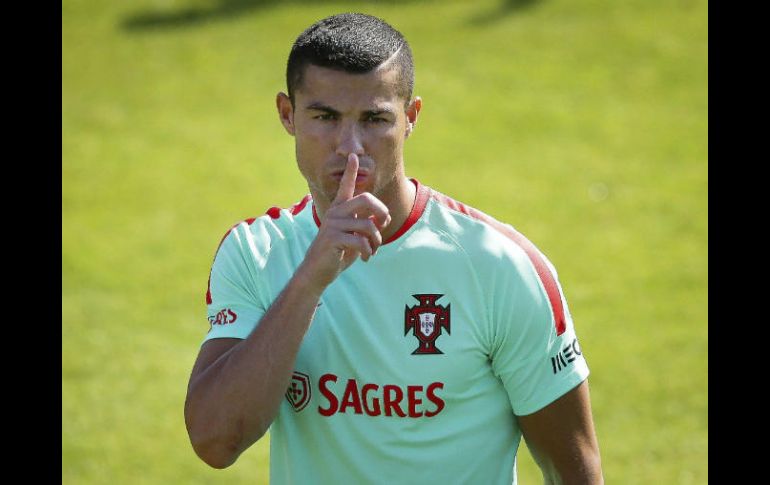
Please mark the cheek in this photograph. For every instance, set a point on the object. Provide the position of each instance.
(312, 144)
(391, 142)
(313, 152)
(311, 135)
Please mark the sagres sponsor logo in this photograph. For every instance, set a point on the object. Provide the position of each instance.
(566, 356)
(357, 397)
(426, 321)
(298, 393)
(223, 317)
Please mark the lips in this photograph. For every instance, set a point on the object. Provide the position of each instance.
(361, 176)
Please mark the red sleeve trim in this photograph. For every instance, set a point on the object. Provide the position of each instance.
(420, 201)
(546, 277)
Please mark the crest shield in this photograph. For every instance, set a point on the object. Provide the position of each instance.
(426, 321)
(298, 393)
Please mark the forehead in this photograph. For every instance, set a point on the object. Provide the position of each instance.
(344, 91)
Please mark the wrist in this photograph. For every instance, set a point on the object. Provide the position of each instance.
(306, 282)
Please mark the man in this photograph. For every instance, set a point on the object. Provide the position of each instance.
(383, 331)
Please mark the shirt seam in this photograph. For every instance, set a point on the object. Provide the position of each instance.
(429, 207)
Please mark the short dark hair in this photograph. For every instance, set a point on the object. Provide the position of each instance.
(350, 42)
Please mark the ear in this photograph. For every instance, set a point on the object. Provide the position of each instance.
(412, 111)
(285, 112)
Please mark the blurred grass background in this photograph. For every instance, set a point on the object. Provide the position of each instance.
(583, 124)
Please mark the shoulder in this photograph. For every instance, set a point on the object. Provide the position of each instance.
(247, 245)
(260, 234)
(479, 233)
(499, 250)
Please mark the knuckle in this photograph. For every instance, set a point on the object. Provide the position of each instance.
(368, 198)
(368, 226)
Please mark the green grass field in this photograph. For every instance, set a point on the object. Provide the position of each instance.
(583, 124)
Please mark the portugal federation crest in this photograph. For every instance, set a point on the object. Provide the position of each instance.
(426, 321)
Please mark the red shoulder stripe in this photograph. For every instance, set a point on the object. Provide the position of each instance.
(273, 212)
(297, 208)
(549, 282)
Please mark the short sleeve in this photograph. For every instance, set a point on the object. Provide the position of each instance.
(233, 296)
(535, 365)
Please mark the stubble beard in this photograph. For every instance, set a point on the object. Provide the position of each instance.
(385, 190)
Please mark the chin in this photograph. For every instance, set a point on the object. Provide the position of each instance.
(360, 189)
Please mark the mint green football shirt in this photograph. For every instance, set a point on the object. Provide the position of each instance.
(418, 361)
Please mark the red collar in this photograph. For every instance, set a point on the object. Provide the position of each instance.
(420, 201)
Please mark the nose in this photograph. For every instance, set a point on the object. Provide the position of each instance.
(349, 140)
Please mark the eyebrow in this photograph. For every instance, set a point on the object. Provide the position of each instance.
(328, 109)
(377, 112)
(322, 107)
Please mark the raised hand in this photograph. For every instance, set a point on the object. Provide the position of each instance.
(350, 229)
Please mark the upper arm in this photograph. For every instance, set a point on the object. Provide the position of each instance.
(544, 372)
(562, 439)
(210, 352)
(233, 299)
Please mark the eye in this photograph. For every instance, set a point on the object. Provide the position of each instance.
(324, 117)
(375, 119)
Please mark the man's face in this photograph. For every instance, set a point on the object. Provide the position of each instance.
(337, 113)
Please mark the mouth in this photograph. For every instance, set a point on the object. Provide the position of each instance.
(361, 176)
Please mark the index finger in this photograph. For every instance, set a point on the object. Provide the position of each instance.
(348, 182)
